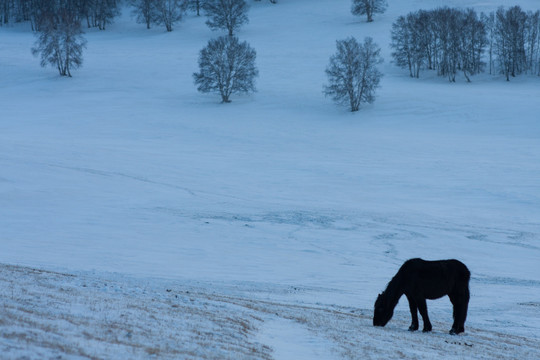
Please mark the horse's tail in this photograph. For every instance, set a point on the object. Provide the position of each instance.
(462, 280)
(465, 273)
(460, 296)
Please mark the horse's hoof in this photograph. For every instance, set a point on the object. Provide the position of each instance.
(455, 332)
(412, 328)
(426, 330)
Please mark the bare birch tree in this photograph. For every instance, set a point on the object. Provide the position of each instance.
(353, 74)
(228, 15)
(368, 8)
(60, 41)
(227, 66)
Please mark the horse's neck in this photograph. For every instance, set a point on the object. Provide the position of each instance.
(394, 291)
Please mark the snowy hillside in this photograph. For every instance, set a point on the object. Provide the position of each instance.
(282, 214)
(50, 315)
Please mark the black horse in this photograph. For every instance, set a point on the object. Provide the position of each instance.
(420, 280)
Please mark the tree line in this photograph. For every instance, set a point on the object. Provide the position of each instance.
(452, 41)
(99, 13)
(95, 13)
(447, 40)
(58, 23)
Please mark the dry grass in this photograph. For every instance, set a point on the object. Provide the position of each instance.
(50, 314)
(46, 314)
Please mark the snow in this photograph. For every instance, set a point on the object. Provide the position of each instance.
(113, 316)
(291, 340)
(281, 199)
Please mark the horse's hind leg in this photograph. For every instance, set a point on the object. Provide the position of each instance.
(461, 304)
(414, 314)
(422, 307)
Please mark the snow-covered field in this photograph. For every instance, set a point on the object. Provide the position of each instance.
(281, 214)
(51, 315)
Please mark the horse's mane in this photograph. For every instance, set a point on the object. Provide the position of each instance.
(394, 290)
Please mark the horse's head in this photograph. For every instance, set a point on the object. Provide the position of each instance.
(383, 311)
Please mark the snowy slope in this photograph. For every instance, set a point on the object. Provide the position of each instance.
(125, 168)
(51, 315)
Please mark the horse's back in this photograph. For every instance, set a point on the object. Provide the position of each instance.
(434, 278)
(435, 266)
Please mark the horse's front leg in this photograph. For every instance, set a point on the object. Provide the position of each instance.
(414, 314)
(422, 307)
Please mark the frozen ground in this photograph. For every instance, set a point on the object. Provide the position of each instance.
(51, 315)
(281, 211)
